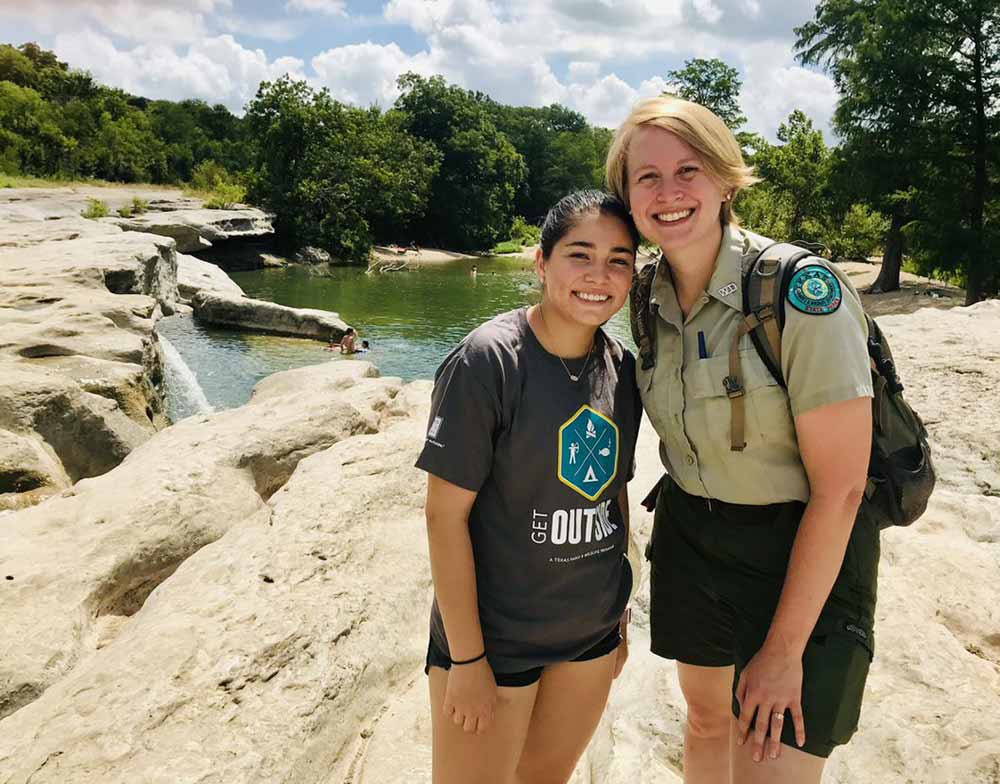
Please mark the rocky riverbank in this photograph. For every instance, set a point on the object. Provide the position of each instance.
(81, 372)
(244, 596)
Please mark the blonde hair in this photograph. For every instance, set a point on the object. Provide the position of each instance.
(701, 129)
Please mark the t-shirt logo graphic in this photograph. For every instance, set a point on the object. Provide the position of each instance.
(588, 452)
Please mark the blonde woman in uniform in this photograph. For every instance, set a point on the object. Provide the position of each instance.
(763, 571)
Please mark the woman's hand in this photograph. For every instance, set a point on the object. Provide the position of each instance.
(470, 697)
(770, 685)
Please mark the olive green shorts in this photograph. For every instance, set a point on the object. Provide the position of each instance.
(716, 574)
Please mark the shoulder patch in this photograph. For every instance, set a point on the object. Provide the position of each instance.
(815, 290)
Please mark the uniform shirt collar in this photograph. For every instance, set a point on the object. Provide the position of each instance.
(726, 284)
(663, 296)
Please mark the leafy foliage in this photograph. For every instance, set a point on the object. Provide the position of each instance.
(336, 177)
(96, 209)
(919, 108)
(713, 84)
(58, 122)
(473, 191)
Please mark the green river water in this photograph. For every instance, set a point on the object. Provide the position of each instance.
(412, 319)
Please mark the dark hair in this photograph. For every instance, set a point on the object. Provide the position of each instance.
(569, 209)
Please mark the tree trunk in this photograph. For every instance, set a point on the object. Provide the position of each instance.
(892, 256)
(974, 262)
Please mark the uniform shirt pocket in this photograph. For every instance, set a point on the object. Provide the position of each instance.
(707, 408)
(768, 415)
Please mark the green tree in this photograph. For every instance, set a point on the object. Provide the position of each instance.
(335, 176)
(31, 141)
(796, 175)
(920, 99)
(561, 152)
(713, 84)
(473, 194)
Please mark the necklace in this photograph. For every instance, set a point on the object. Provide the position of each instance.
(572, 376)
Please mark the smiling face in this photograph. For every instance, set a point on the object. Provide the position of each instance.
(587, 275)
(674, 201)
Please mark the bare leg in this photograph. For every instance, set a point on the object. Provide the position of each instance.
(708, 692)
(794, 766)
(571, 699)
(460, 757)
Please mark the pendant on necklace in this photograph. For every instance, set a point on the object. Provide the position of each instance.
(573, 378)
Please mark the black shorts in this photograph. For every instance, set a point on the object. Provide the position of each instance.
(716, 574)
(438, 658)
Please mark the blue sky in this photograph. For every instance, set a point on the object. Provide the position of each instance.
(595, 56)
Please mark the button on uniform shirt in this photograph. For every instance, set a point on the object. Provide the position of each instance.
(824, 359)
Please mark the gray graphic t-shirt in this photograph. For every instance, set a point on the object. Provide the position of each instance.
(547, 457)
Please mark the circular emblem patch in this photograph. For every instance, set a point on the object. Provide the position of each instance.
(815, 290)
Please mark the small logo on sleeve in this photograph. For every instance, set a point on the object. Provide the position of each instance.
(433, 430)
(815, 290)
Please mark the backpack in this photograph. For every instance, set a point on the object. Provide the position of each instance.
(900, 472)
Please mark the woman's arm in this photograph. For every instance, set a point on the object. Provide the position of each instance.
(470, 697)
(835, 444)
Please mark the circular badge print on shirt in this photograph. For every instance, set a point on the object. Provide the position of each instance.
(815, 290)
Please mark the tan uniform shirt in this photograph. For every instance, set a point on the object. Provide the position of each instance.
(824, 360)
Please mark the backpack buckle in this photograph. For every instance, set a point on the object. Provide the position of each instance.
(765, 268)
(733, 387)
(764, 313)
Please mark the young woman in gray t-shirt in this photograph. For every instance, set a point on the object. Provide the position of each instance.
(530, 445)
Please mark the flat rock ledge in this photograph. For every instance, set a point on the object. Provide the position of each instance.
(244, 599)
(262, 316)
(198, 229)
(81, 369)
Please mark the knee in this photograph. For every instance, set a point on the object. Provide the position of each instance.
(538, 777)
(708, 720)
(539, 772)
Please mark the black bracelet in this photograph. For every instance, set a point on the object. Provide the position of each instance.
(471, 661)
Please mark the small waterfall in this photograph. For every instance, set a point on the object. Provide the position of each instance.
(185, 397)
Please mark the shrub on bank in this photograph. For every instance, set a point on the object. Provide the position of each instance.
(96, 209)
(510, 246)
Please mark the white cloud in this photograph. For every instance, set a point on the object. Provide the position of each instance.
(169, 21)
(579, 71)
(268, 29)
(773, 88)
(329, 7)
(366, 73)
(217, 70)
(708, 11)
(174, 49)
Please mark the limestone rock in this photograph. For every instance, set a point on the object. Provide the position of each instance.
(194, 275)
(28, 471)
(100, 548)
(311, 255)
(90, 434)
(79, 300)
(267, 316)
(198, 229)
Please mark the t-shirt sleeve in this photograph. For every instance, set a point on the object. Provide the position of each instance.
(824, 357)
(465, 414)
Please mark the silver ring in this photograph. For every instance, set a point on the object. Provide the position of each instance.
(778, 716)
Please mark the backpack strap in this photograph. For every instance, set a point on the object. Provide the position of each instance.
(641, 315)
(765, 279)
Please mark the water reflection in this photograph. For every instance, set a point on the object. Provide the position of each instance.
(412, 319)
